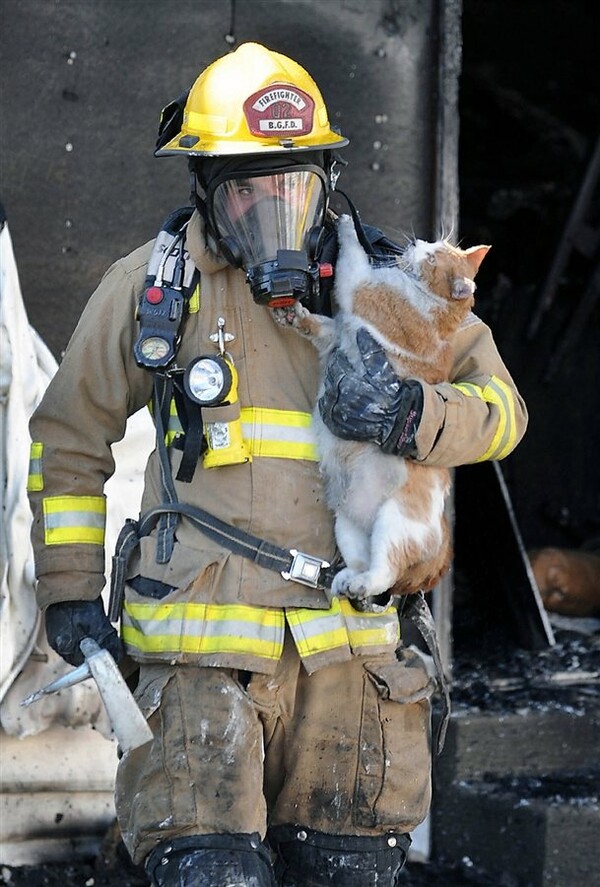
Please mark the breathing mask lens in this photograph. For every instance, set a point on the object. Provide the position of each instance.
(266, 224)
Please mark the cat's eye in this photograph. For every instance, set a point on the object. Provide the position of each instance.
(431, 259)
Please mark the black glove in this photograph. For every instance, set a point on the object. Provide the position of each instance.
(371, 403)
(68, 622)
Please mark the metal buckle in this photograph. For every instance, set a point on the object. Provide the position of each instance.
(305, 568)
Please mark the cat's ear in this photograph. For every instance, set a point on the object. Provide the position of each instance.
(475, 256)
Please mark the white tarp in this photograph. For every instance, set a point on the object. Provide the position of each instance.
(26, 661)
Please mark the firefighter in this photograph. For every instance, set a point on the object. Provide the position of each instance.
(291, 733)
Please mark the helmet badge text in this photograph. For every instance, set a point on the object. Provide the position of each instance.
(278, 109)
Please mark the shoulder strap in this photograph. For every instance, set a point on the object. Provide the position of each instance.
(163, 262)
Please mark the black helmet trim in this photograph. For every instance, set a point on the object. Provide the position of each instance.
(171, 121)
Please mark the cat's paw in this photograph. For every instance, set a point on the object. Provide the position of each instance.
(340, 582)
(303, 319)
(351, 584)
(285, 316)
(358, 585)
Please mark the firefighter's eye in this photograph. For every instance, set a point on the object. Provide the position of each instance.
(245, 189)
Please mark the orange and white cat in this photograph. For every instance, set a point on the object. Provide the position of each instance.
(389, 511)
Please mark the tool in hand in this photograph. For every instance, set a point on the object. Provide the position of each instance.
(129, 724)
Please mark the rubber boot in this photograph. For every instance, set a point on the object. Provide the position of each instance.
(211, 861)
(312, 859)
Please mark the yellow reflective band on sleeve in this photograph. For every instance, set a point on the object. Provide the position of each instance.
(469, 389)
(280, 434)
(498, 393)
(203, 629)
(74, 519)
(318, 631)
(35, 479)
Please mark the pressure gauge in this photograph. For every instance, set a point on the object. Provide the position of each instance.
(154, 348)
(208, 380)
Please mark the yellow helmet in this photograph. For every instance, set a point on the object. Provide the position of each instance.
(251, 101)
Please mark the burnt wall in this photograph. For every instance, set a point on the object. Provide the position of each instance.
(83, 85)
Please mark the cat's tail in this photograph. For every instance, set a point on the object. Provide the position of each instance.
(352, 266)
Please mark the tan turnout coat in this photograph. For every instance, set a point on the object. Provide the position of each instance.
(98, 385)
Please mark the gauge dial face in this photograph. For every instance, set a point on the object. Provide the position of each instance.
(154, 348)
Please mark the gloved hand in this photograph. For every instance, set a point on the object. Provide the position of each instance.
(68, 622)
(371, 403)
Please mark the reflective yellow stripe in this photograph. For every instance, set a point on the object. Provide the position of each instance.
(280, 434)
(74, 519)
(469, 389)
(35, 479)
(174, 427)
(204, 629)
(318, 631)
(371, 629)
(498, 393)
(194, 302)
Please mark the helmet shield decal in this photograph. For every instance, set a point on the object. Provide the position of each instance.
(279, 109)
(265, 213)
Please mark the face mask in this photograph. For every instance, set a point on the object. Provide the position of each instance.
(270, 224)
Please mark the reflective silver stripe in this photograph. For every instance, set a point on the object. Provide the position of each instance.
(198, 628)
(385, 623)
(318, 631)
(59, 519)
(204, 629)
(284, 433)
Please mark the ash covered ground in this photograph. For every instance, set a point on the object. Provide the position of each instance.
(565, 676)
(123, 875)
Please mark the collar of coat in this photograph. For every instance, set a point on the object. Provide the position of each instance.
(203, 257)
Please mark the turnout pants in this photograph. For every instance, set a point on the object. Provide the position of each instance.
(344, 751)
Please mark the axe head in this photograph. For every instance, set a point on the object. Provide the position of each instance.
(129, 724)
